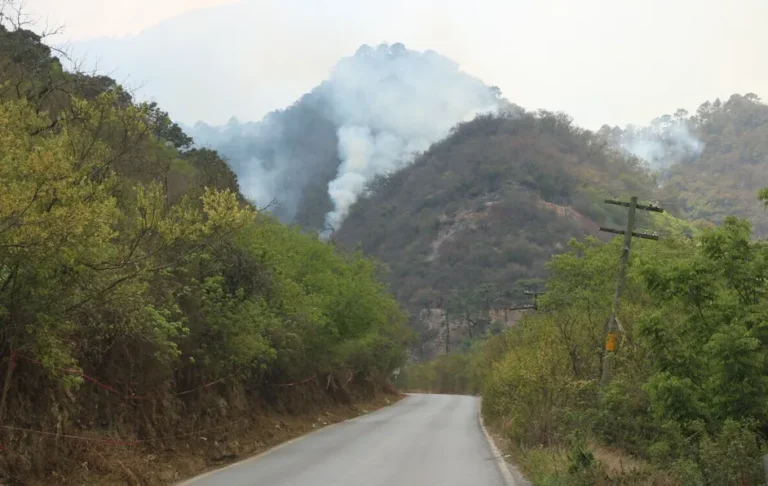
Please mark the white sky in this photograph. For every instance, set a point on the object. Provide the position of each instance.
(85, 19)
(602, 61)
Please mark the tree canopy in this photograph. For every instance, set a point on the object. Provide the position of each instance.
(490, 204)
(131, 258)
(687, 404)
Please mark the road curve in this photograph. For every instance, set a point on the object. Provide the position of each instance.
(421, 440)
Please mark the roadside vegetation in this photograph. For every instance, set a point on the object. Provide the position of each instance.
(688, 404)
(141, 296)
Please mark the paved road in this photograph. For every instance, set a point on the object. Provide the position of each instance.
(422, 440)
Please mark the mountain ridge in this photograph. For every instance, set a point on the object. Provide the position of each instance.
(448, 226)
(376, 110)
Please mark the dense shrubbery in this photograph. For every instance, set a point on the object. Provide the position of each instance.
(450, 373)
(690, 393)
(131, 258)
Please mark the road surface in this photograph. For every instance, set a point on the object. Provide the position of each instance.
(421, 440)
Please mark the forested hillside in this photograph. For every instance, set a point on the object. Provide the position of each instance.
(733, 165)
(472, 222)
(467, 227)
(714, 160)
(470, 225)
(141, 297)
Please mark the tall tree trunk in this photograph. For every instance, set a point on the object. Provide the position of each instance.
(7, 381)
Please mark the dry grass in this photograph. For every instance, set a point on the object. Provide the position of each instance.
(175, 460)
(549, 465)
(620, 468)
(617, 462)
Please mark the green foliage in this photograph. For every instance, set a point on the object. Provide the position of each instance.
(689, 392)
(732, 168)
(234, 331)
(488, 206)
(452, 373)
(581, 461)
(127, 256)
(707, 331)
(729, 457)
(74, 243)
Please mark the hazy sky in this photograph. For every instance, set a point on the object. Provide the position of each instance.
(86, 19)
(602, 61)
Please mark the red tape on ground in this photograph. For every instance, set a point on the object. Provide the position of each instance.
(88, 378)
(199, 388)
(296, 383)
(114, 441)
(105, 386)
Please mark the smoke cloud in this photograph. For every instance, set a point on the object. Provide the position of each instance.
(275, 158)
(391, 103)
(377, 109)
(663, 144)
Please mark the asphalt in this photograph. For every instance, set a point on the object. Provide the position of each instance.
(419, 441)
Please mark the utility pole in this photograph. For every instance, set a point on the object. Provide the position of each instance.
(447, 335)
(535, 295)
(522, 307)
(534, 306)
(611, 338)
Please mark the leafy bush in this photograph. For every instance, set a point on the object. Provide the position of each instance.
(126, 256)
(688, 397)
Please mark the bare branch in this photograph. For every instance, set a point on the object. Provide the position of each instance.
(13, 12)
(272, 203)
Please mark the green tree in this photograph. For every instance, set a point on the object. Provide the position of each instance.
(708, 337)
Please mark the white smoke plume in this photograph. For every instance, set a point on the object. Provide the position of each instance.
(391, 103)
(259, 180)
(374, 112)
(664, 143)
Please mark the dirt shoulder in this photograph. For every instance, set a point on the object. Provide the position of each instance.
(505, 446)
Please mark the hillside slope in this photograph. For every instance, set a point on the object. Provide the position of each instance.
(732, 168)
(488, 206)
(713, 162)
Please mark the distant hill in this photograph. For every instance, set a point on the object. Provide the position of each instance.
(376, 109)
(468, 228)
(712, 162)
(732, 168)
(490, 204)
(390, 156)
(473, 220)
